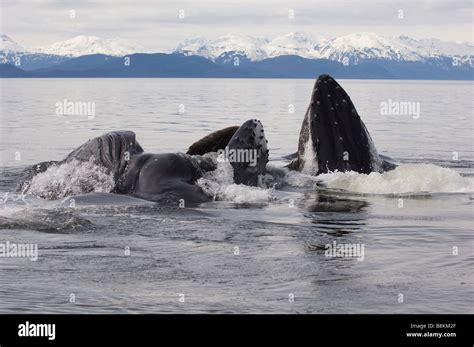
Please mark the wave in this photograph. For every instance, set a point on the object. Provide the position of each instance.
(406, 178)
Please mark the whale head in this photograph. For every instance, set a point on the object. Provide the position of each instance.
(247, 153)
(333, 136)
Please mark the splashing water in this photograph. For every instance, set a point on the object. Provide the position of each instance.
(301, 180)
(220, 185)
(71, 178)
(310, 161)
(80, 177)
(406, 178)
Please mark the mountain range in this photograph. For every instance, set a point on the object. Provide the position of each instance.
(295, 55)
(351, 49)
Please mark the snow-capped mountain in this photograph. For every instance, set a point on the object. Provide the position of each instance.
(354, 48)
(10, 51)
(229, 45)
(357, 47)
(8, 45)
(385, 54)
(349, 49)
(195, 46)
(34, 58)
(296, 43)
(21, 57)
(436, 47)
(458, 52)
(84, 45)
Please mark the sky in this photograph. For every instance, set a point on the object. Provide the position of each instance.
(160, 25)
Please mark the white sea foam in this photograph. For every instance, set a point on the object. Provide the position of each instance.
(406, 178)
(220, 185)
(71, 178)
(301, 180)
(76, 177)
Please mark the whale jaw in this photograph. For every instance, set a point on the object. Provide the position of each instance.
(332, 136)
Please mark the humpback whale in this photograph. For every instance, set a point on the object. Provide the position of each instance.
(332, 138)
(167, 177)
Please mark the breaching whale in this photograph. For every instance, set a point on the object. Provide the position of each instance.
(332, 138)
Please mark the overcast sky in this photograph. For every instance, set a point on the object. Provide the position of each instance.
(156, 25)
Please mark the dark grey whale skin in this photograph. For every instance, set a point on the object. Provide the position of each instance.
(167, 178)
(340, 139)
(213, 142)
(250, 136)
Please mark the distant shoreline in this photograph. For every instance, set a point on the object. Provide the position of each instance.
(162, 65)
(239, 78)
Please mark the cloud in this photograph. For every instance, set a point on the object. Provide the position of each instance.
(157, 24)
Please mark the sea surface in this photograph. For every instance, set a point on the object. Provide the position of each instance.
(253, 249)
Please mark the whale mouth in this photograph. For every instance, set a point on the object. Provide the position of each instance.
(333, 136)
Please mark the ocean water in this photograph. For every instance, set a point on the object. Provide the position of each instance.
(253, 249)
